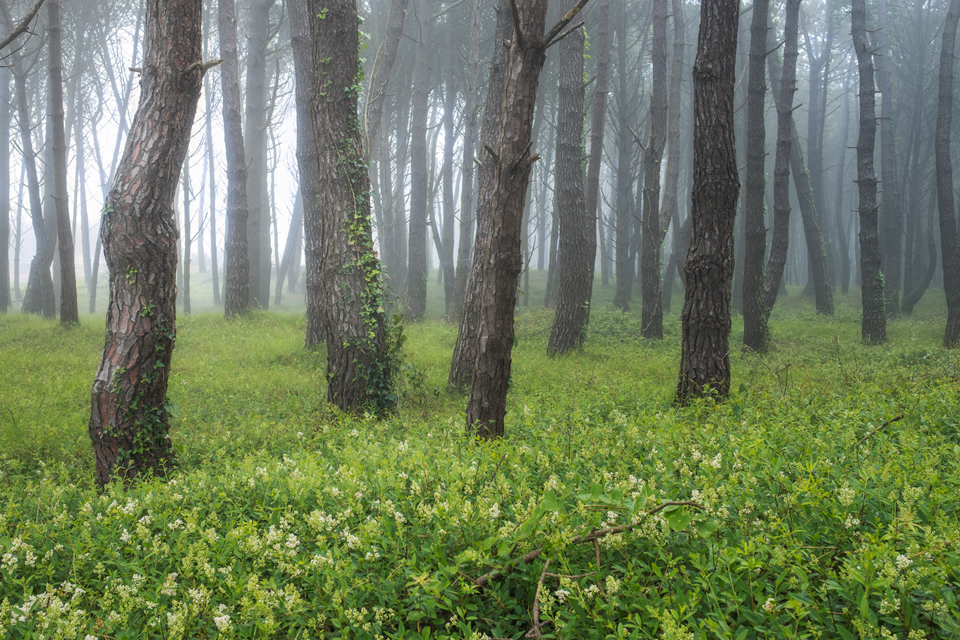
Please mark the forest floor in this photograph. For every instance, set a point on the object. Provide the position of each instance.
(824, 491)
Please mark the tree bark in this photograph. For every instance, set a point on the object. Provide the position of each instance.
(465, 349)
(874, 325)
(446, 177)
(598, 119)
(625, 158)
(359, 372)
(755, 331)
(380, 75)
(705, 358)
(651, 314)
(128, 420)
(892, 211)
(237, 259)
(577, 245)
(949, 247)
(5, 151)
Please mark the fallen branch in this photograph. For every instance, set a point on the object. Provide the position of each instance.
(535, 631)
(489, 577)
(883, 426)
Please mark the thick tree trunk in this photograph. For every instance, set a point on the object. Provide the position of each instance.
(69, 313)
(755, 331)
(308, 163)
(874, 325)
(128, 421)
(577, 246)
(950, 248)
(468, 214)
(465, 350)
(501, 257)
(359, 373)
(237, 259)
(416, 296)
(651, 324)
(705, 358)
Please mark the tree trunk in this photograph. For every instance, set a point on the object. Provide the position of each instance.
(598, 119)
(892, 211)
(705, 358)
(292, 246)
(211, 167)
(237, 258)
(874, 325)
(624, 179)
(5, 151)
(416, 302)
(468, 214)
(945, 199)
(128, 420)
(755, 330)
(187, 237)
(501, 256)
(446, 177)
(465, 350)
(577, 246)
(651, 324)
(668, 206)
(912, 296)
(843, 252)
(380, 75)
(359, 372)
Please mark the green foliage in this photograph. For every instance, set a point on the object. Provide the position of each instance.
(824, 516)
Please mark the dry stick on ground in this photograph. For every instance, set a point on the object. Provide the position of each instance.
(489, 577)
(535, 631)
(883, 426)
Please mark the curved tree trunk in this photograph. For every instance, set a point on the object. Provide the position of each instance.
(577, 245)
(950, 249)
(705, 357)
(651, 314)
(380, 76)
(755, 330)
(874, 325)
(128, 419)
(237, 285)
(359, 374)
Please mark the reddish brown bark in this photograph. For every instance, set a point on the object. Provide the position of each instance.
(128, 421)
(705, 358)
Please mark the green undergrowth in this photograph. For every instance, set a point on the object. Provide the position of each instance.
(823, 493)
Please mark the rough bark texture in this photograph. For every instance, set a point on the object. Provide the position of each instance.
(69, 313)
(945, 199)
(755, 331)
(651, 324)
(128, 420)
(359, 376)
(874, 325)
(237, 285)
(307, 162)
(501, 257)
(416, 298)
(705, 358)
(577, 245)
(468, 214)
(668, 205)
(598, 117)
(465, 350)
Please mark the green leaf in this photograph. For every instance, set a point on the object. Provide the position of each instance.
(707, 528)
(679, 520)
(596, 491)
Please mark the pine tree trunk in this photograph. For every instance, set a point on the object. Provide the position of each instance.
(874, 325)
(950, 249)
(446, 178)
(577, 246)
(5, 151)
(598, 119)
(128, 421)
(705, 359)
(237, 258)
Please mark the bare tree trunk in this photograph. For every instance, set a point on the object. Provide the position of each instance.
(5, 151)
(874, 325)
(892, 211)
(211, 168)
(501, 256)
(359, 373)
(705, 358)
(128, 420)
(292, 247)
(755, 330)
(446, 178)
(380, 76)
(187, 236)
(945, 198)
(577, 250)
(598, 118)
(843, 257)
(651, 324)
(465, 350)
(237, 258)
(624, 179)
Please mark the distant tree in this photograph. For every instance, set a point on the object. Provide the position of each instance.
(5, 151)
(598, 120)
(874, 324)
(950, 246)
(128, 418)
(237, 263)
(359, 374)
(577, 244)
(21, 27)
(705, 353)
(501, 256)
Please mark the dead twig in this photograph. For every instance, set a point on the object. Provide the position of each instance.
(883, 426)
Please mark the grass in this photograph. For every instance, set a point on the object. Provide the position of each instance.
(828, 483)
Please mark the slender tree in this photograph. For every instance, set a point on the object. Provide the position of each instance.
(598, 119)
(874, 324)
(128, 418)
(5, 150)
(705, 359)
(949, 243)
(890, 202)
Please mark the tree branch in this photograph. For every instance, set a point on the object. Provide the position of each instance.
(560, 26)
(21, 28)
